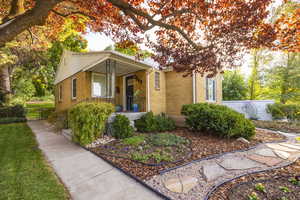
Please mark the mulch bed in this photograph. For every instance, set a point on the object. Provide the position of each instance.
(288, 127)
(241, 187)
(202, 146)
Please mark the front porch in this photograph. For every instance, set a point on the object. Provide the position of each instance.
(121, 82)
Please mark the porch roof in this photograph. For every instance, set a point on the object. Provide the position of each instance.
(73, 62)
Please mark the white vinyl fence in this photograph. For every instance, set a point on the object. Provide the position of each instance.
(251, 108)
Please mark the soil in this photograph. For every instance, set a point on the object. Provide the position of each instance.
(240, 188)
(173, 152)
(288, 127)
(202, 145)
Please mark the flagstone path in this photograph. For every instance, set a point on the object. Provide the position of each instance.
(196, 180)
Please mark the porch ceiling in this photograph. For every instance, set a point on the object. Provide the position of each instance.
(121, 68)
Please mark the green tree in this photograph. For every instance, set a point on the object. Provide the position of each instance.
(283, 80)
(234, 86)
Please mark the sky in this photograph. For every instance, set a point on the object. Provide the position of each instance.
(99, 41)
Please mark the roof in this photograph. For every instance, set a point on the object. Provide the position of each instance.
(74, 62)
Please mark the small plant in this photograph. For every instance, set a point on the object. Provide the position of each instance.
(284, 189)
(139, 157)
(294, 181)
(165, 139)
(283, 198)
(134, 141)
(161, 156)
(121, 127)
(260, 187)
(253, 196)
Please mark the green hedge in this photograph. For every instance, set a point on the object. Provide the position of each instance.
(121, 127)
(87, 121)
(150, 123)
(281, 111)
(9, 120)
(16, 111)
(218, 119)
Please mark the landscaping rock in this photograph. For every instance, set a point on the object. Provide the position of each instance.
(270, 161)
(212, 171)
(243, 140)
(238, 163)
(265, 152)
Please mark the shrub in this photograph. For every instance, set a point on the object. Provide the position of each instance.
(9, 120)
(146, 123)
(218, 119)
(164, 123)
(46, 112)
(121, 127)
(12, 111)
(281, 111)
(87, 121)
(151, 123)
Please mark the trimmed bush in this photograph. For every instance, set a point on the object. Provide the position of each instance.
(281, 111)
(87, 121)
(218, 119)
(121, 127)
(59, 119)
(164, 123)
(150, 123)
(17, 111)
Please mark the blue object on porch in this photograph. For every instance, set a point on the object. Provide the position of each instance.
(135, 108)
(119, 108)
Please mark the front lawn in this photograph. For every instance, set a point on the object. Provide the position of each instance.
(24, 174)
(34, 109)
(289, 127)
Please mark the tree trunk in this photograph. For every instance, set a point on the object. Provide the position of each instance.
(5, 86)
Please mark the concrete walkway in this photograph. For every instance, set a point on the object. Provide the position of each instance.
(85, 175)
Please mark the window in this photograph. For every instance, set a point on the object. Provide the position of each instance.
(102, 85)
(60, 93)
(74, 88)
(210, 89)
(157, 80)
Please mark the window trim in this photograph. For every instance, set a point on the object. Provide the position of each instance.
(157, 87)
(72, 88)
(215, 90)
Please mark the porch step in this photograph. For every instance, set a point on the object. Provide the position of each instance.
(67, 133)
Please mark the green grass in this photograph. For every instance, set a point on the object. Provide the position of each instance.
(33, 109)
(24, 174)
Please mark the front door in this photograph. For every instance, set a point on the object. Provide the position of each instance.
(129, 93)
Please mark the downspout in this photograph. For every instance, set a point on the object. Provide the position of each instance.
(148, 90)
(194, 88)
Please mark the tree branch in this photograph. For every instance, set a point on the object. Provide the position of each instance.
(73, 13)
(36, 16)
(131, 11)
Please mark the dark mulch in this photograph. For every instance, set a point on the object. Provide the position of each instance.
(202, 146)
(288, 127)
(236, 190)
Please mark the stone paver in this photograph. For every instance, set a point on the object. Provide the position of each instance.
(265, 152)
(238, 163)
(292, 146)
(188, 183)
(181, 184)
(270, 161)
(281, 148)
(213, 171)
(282, 154)
(85, 175)
(173, 184)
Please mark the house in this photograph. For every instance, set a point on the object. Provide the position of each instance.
(130, 84)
